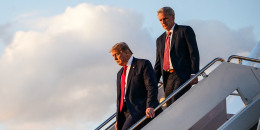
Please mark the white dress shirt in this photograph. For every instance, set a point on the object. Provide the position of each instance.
(170, 61)
(129, 63)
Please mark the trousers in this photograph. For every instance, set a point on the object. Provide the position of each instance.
(171, 83)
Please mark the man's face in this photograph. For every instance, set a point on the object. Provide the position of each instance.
(167, 21)
(121, 58)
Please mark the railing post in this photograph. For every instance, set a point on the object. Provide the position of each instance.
(239, 61)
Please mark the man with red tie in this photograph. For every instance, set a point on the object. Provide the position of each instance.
(137, 89)
(177, 54)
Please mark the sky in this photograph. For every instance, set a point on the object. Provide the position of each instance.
(56, 69)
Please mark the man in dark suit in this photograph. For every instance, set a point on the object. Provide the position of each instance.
(136, 87)
(177, 54)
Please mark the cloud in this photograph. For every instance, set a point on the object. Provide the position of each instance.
(60, 74)
(215, 39)
(5, 34)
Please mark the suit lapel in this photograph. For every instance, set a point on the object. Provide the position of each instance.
(131, 71)
(119, 75)
(174, 35)
(163, 43)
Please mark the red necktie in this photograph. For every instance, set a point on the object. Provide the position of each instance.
(122, 88)
(166, 52)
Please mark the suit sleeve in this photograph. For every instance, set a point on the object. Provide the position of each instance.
(193, 49)
(157, 65)
(118, 92)
(150, 85)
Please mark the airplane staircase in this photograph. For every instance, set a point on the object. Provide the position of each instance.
(203, 107)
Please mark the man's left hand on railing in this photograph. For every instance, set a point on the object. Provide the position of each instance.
(150, 112)
(116, 126)
(195, 81)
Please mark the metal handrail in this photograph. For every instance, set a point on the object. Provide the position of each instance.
(111, 125)
(106, 121)
(114, 115)
(179, 89)
(240, 58)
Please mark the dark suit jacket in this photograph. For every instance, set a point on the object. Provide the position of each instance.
(184, 52)
(141, 90)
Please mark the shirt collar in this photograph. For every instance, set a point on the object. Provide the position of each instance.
(171, 29)
(130, 61)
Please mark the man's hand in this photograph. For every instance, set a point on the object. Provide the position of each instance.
(195, 81)
(116, 126)
(149, 112)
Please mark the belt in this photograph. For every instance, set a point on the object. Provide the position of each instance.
(170, 70)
